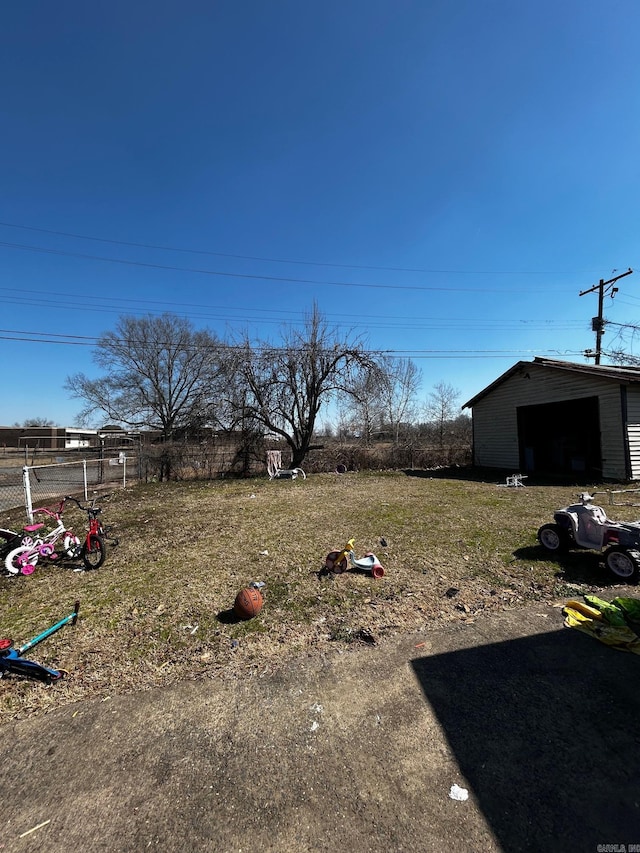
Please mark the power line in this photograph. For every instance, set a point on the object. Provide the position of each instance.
(248, 276)
(52, 300)
(388, 320)
(159, 247)
(85, 340)
(634, 326)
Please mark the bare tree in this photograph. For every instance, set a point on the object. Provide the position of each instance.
(362, 418)
(400, 381)
(620, 350)
(461, 428)
(385, 396)
(441, 407)
(623, 359)
(159, 374)
(285, 385)
(35, 422)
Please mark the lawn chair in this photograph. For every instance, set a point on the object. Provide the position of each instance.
(277, 472)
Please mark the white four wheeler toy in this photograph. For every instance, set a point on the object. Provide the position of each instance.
(585, 525)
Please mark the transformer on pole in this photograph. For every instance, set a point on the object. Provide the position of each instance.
(597, 323)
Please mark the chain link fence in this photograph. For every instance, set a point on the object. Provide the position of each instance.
(31, 486)
(209, 461)
(50, 476)
(11, 487)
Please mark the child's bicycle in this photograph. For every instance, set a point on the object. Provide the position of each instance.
(12, 662)
(94, 547)
(58, 544)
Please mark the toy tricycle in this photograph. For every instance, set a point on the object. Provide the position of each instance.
(336, 561)
(585, 525)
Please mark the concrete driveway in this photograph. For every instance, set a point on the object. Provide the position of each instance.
(356, 752)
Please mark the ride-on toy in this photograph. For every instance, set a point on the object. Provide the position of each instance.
(11, 660)
(585, 525)
(336, 561)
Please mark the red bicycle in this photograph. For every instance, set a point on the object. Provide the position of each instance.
(94, 546)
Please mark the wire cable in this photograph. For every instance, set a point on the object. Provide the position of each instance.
(247, 276)
(161, 248)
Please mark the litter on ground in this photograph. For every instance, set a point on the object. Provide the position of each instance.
(615, 623)
(458, 793)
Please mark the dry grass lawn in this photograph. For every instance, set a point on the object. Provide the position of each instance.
(159, 608)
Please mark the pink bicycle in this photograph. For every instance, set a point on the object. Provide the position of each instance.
(58, 544)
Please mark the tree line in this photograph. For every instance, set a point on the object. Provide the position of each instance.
(160, 373)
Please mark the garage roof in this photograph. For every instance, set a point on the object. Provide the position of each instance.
(606, 371)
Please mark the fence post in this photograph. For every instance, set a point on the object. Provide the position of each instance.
(27, 493)
(84, 474)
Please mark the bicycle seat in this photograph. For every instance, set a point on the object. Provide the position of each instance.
(31, 528)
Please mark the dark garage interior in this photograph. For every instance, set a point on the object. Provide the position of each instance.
(561, 438)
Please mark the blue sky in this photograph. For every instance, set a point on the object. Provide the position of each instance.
(441, 178)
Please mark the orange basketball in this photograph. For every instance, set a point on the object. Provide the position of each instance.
(248, 603)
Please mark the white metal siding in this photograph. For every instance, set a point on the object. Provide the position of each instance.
(633, 430)
(495, 422)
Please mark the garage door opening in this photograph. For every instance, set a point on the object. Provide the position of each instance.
(561, 438)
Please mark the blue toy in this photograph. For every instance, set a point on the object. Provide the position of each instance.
(11, 660)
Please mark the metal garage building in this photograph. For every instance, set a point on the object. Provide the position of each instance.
(556, 417)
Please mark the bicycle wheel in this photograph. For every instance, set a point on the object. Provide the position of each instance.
(71, 547)
(21, 560)
(94, 552)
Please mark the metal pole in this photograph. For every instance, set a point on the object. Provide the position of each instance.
(599, 328)
(597, 324)
(27, 493)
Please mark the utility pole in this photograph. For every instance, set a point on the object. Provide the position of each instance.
(597, 323)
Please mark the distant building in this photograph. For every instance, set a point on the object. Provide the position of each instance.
(48, 438)
(64, 438)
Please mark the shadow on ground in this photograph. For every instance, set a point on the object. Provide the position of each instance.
(580, 567)
(545, 731)
(495, 475)
(228, 617)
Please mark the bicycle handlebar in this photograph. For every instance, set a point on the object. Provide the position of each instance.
(54, 513)
(87, 509)
(75, 500)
